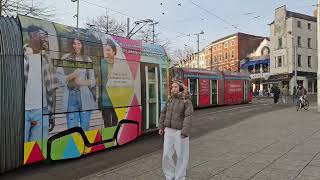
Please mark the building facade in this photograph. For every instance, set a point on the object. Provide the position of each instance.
(293, 49)
(227, 52)
(257, 64)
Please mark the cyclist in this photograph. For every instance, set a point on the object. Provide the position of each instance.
(302, 94)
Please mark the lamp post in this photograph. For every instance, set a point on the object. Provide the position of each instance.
(295, 59)
(198, 34)
(318, 49)
(77, 11)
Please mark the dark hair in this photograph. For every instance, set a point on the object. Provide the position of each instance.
(181, 89)
(82, 46)
(112, 45)
(34, 28)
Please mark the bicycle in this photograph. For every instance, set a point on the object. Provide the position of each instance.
(301, 105)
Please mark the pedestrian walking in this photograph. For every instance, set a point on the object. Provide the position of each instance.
(175, 125)
(276, 93)
(285, 94)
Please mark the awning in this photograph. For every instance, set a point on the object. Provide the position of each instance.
(254, 62)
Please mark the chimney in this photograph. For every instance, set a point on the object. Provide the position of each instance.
(315, 13)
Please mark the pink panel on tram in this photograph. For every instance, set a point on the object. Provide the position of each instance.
(233, 92)
(204, 92)
(135, 46)
(135, 114)
(127, 133)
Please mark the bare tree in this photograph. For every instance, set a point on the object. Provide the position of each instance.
(35, 8)
(182, 53)
(107, 24)
(146, 35)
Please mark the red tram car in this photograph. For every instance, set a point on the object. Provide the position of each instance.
(213, 88)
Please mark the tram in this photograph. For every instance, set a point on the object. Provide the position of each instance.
(68, 92)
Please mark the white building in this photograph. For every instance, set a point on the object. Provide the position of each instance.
(293, 39)
(202, 60)
(257, 64)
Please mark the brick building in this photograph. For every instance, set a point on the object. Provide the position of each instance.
(227, 52)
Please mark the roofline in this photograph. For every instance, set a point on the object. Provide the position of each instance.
(301, 16)
(236, 34)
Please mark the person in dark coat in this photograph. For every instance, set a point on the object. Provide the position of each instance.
(276, 93)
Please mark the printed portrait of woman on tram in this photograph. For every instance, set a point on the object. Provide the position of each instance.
(107, 63)
(78, 98)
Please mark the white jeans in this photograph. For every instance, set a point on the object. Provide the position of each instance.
(174, 143)
(285, 99)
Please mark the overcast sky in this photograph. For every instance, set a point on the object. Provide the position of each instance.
(217, 18)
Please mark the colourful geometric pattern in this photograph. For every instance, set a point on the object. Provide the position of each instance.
(120, 97)
(32, 153)
(129, 132)
(127, 96)
(67, 147)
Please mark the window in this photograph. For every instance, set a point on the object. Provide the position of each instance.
(226, 44)
(280, 43)
(225, 56)
(220, 57)
(232, 54)
(265, 68)
(299, 60)
(220, 46)
(214, 58)
(309, 26)
(299, 41)
(315, 88)
(250, 69)
(309, 42)
(299, 24)
(257, 68)
(232, 43)
(309, 61)
(310, 86)
(275, 62)
(214, 48)
(279, 61)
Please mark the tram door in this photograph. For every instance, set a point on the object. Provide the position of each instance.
(245, 91)
(214, 92)
(150, 95)
(193, 86)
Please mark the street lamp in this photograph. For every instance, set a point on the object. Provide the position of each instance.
(198, 34)
(295, 59)
(77, 11)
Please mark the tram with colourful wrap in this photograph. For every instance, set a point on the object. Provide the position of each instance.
(67, 92)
